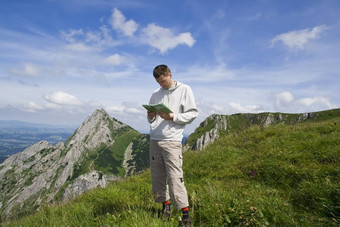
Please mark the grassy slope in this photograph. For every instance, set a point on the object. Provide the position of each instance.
(108, 159)
(282, 175)
(237, 122)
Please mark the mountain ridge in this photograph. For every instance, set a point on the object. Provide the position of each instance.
(211, 128)
(91, 157)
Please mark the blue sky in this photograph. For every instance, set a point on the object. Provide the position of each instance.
(60, 60)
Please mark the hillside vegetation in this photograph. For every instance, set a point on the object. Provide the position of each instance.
(214, 125)
(281, 175)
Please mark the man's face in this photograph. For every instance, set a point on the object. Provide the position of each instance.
(165, 81)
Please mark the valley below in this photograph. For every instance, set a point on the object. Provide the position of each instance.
(16, 136)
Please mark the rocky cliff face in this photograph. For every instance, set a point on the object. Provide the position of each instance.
(91, 157)
(210, 129)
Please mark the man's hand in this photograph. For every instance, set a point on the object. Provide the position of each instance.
(166, 116)
(151, 115)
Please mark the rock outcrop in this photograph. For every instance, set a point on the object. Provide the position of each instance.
(86, 182)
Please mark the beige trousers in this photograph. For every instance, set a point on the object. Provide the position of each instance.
(167, 173)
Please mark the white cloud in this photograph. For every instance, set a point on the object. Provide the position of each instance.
(156, 36)
(207, 108)
(32, 107)
(80, 40)
(28, 70)
(238, 108)
(133, 110)
(283, 100)
(116, 109)
(119, 23)
(317, 102)
(106, 39)
(78, 47)
(62, 98)
(115, 59)
(126, 108)
(299, 38)
(164, 39)
(131, 113)
(53, 106)
(70, 36)
(286, 102)
(93, 37)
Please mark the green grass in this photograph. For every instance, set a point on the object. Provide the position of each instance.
(110, 159)
(283, 175)
(107, 159)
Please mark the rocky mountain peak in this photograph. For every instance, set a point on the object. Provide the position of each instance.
(96, 129)
(44, 173)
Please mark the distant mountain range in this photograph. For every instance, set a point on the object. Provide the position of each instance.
(24, 124)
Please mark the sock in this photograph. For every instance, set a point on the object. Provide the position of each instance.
(166, 206)
(185, 212)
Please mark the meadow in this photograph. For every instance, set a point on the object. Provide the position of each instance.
(282, 175)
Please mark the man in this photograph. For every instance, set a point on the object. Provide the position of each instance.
(166, 133)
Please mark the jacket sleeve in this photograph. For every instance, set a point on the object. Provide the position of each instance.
(188, 109)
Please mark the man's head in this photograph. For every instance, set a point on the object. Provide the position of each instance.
(161, 70)
(163, 76)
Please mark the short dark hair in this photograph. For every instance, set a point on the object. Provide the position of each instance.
(161, 70)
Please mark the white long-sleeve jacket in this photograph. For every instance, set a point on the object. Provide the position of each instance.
(180, 99)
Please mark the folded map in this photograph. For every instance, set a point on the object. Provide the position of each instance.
(160, 107)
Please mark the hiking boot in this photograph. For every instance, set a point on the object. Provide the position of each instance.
(166, 211)
(185, 222)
